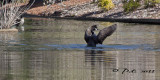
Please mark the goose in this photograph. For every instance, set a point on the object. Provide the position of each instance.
(20, 21)
(92, 39)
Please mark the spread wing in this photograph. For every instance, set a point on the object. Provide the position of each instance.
(86, 36)
(105, 33)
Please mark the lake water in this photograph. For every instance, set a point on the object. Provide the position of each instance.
(54, 49)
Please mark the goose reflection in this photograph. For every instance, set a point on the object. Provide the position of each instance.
(94, 55)
(99, 62)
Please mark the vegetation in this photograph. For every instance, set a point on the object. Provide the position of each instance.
(106, 4)
(130, 5)
(10, 12)
(151, 3)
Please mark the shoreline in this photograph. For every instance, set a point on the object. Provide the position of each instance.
(91, 11)
(8, 30)
(87, 10)
(124, 20)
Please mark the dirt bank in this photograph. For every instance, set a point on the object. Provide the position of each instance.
(85, 8)
(50, 9)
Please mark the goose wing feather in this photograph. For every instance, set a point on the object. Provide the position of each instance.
(86, 38)
(105, 33)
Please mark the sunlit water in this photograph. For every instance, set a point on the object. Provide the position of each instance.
(51, 49)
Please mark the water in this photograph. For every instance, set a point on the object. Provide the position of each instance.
(53, 49)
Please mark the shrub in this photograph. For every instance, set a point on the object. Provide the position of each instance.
(151, 3)
(106, 4)
(130, 5)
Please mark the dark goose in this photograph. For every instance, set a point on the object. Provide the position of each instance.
(93, 39)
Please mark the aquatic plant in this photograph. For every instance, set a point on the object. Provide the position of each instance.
(106, 4)
(10, 11)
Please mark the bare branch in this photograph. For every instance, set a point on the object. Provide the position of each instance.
(11, 11)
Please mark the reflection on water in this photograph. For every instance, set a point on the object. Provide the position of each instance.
(51, 49)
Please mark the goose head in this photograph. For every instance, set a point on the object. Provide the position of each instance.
(93, 28)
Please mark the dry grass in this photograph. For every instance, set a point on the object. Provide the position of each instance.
(10, 12)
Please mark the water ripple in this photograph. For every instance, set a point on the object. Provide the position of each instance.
(101, 47)
(48, 47)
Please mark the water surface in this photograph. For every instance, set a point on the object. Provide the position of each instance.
(53, 49)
